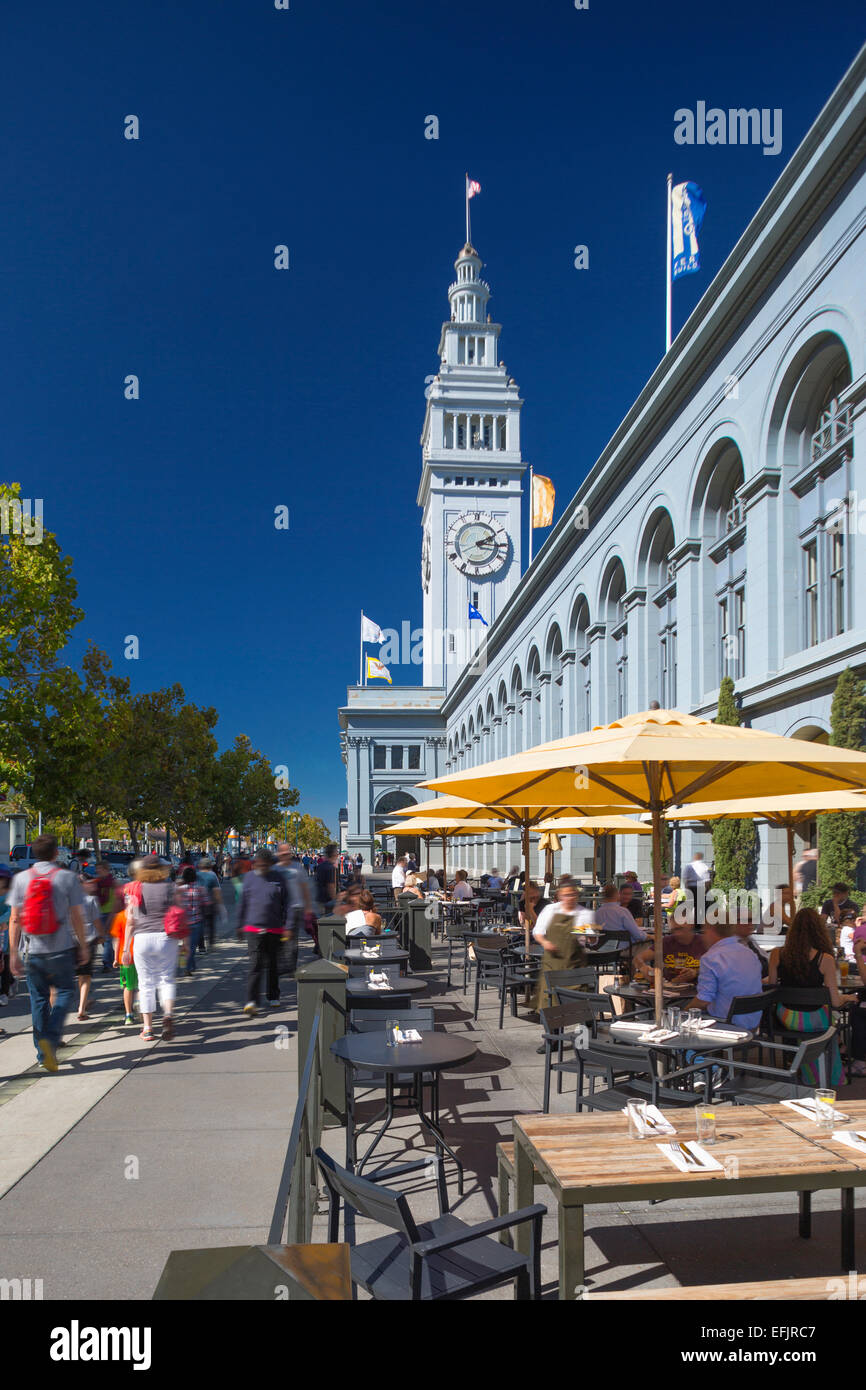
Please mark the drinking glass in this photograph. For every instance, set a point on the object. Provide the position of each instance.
(705, 1125)
(676, 1018)
(825, 1109)
(634, 1109)
(391, 1025)
(693, 1019)
(843, 968)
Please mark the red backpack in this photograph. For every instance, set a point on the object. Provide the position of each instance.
(38, 917)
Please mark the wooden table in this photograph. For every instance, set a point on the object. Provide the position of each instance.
(589, 1158)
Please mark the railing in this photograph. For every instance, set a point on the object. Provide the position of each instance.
(297, 1196)
(837, 423)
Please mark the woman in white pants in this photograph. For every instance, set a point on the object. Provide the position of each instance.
(147, 944)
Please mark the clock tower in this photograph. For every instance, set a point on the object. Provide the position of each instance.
(471, 481)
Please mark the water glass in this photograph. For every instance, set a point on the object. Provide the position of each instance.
(635, 1109)
(825, 1109)
(693, 1021)
(673, 1018)
(705, 1125)
(391, 1026)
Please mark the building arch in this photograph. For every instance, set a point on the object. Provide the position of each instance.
(718, 518)
(657, 573)
(611, 607)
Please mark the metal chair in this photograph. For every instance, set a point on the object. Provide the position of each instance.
(519, 974)
(753, 1004)
(774, 1083)
(803, 1001)
(490, 965)
(632, 1074)
(582, 975)
(440, 1259)
(555, 1024)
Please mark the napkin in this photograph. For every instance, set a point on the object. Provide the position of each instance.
(854, 1138)
(658, 1124)
(806, 1106)
(657, 1035)
(626, 1027)
(380, 984)
(678, 1159)
(406, 1035)
(724, 1034)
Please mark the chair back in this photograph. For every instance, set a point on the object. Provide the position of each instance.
(623, 1057)
(601, 1004)
(489, 958)
(572, 979)
(371, 1020)
(558, 1017)
(806, 1000)
(753, 1004)
(367, 1198)
(811, 1051)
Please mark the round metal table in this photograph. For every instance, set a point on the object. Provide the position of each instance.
(359, 993)
(356, 956)
(421, 1063)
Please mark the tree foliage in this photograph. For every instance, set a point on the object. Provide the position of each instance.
(734, 841)
(841, 835)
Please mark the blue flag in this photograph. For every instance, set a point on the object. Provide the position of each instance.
(473, 613)
(688, 206)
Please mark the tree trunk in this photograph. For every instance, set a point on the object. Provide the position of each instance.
(94, 831)
(130, 825)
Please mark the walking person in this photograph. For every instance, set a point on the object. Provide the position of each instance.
(149, 946)
(213, 904)
(46, 910)
(105, 886)
(264, 915)
(126, 973)
(299, 899)
(7, 979)
(191, 897)
(93, 937)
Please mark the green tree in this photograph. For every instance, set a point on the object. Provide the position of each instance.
(841, 835)
(37, 614)
(243, 793)
(734, 841)
(311, 833)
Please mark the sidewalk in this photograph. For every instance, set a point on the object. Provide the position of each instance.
(133, 1150)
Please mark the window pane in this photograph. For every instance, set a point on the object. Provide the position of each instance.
(414, 759)
(379, 755)
(397, 756)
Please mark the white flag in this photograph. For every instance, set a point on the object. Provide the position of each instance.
(370, 631)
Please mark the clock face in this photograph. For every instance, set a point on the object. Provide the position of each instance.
(477, 544)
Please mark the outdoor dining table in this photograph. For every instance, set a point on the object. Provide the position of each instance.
(355, 955)
(589, 1158)
(360, 995)
(424, 1060)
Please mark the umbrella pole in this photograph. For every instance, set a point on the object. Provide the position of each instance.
(429, 838)
(528, 911)
(790, 830)
(657, 908)
(594, 861)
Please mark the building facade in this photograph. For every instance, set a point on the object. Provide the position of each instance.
(719, 533)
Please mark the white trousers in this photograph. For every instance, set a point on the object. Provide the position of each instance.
(155, 956)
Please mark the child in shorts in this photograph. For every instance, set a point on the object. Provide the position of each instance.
(128, 976)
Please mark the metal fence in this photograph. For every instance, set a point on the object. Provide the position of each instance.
(297, 1196)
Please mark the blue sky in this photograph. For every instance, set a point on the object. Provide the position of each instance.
(305, 387)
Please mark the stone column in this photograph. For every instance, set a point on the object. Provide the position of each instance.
(637, 697)
(764, 647)
(525, 720)
(497, 736)
(570, 723)
(595, 636)
(510, 721)
(690, 655)
(546, 691)
(364, 800)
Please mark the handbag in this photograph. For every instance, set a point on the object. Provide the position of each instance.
(176, 923)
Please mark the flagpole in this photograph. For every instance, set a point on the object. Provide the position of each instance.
(531, 505)
(361, 661)
(466, 195)
(668, 281)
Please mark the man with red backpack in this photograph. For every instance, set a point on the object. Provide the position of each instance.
(48, 920)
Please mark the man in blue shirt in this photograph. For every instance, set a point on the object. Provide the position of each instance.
(614, 917)
(728, 970)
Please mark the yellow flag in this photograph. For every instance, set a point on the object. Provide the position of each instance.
(543, 498)
(376, 671)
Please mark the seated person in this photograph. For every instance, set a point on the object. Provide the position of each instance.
(535, 902)
(462, 889)
(673, 894)
(514, 881)
(858, 1015)
(413, 886)
(837, 905)
(631, 904)
(494, 882)
(806, 961)
(682, 949)
(614, 916)
(363, 919)
(726, 972)
(631, 879)
(745, 932)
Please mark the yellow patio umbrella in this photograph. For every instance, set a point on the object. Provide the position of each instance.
(595, 827)
(786, 811)
(657, 760)
(442, 828)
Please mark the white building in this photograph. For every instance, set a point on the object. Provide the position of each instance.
(720, 531)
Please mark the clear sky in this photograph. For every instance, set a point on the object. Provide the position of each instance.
(304, 387)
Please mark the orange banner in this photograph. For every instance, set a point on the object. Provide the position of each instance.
(543, 498)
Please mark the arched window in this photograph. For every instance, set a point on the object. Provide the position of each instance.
(553, 661)
(662, 604)
(722, 521)
(532, 734)
(613, 614)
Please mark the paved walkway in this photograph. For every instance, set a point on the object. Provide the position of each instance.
(134, 1150)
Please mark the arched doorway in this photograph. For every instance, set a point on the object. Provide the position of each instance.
(385, 808)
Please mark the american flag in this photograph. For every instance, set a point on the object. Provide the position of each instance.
(472, 188)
